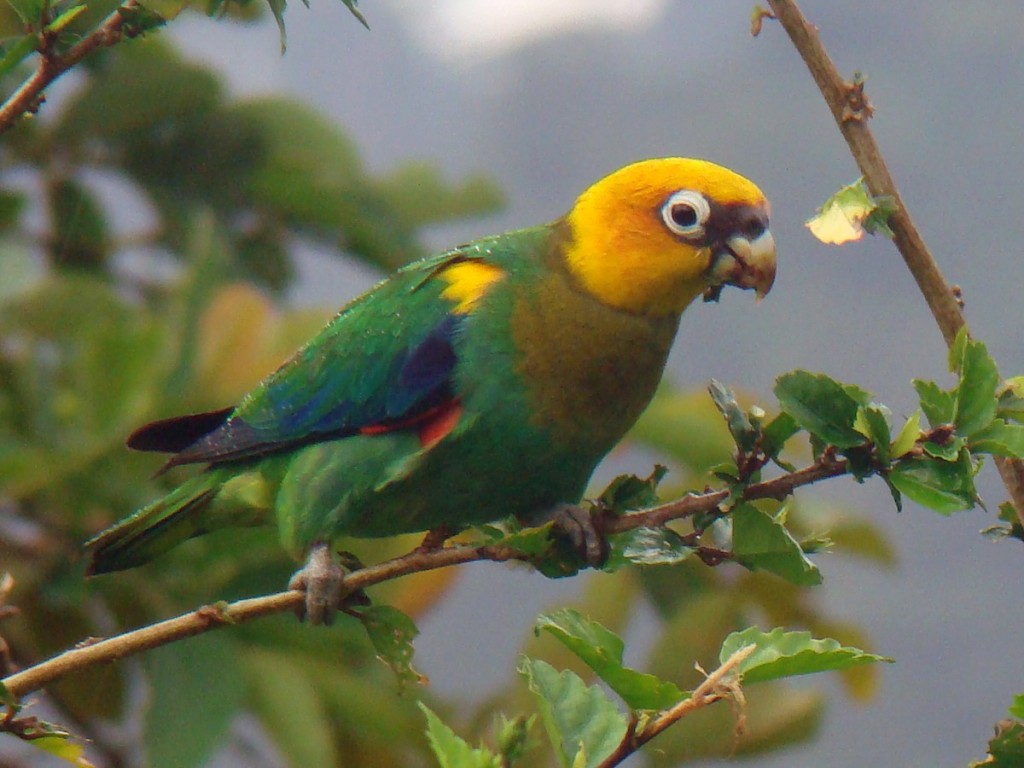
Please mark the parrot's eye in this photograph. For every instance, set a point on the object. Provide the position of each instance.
(685, 213)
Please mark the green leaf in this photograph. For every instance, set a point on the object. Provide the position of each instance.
(938, 405)
(942, 486)
(289, 706)
(629, 492)
(788, 654)
(872, 421)
(166, 9)
(353, 8)
(849, 213)
(760, 542)
(1006, 748)
(820, 405)
(80, 226)
(391, 632)
(7, 698)
(197, 689)
(1017, 707)
(65, 18)
(579, 720)
(512, 737)
(138, 19)
(17, 53)
(530, 541)
(999, 439)
(907, 438)
(601, 650)
(61, 746)
(451, 750)
(686, 427)
(647, 546)
(975, 396)
(776, 433)
(947, 451)
(1011, 399)
(743, 433)
(29, 11)
(277, 8)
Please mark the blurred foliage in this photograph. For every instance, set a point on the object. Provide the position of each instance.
(148, 230)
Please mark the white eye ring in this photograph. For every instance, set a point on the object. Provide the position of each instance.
(685, 213)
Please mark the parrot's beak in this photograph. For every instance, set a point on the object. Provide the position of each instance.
(743, 262)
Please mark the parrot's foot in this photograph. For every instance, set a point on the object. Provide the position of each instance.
(322, 578)
(584, 530)
(435, 538)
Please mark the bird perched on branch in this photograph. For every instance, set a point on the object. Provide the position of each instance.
(479, 383)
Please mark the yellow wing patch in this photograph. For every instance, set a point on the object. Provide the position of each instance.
(467, 282)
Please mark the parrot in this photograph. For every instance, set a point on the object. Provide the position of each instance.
(476, 384)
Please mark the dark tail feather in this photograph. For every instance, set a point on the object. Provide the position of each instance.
(177, 433)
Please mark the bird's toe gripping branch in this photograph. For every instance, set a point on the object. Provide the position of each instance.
(322, 578)
(583, 530)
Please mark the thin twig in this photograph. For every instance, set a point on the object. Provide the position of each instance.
(721, 683)
(851, 111)
(211, 617)
(52, 65)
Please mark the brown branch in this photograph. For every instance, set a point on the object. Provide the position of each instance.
(213, 616)
(720, 684)
(851, 111)
(52, 65)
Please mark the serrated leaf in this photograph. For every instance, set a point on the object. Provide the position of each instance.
(647, 546)
(781, 654)
(629, 492)
(451, 750)
(907, 437)
(942, 486)
(601, 650)
(197, 690)
(937, 404)
(735, 417)
(761, 542)
(872, 422)
(975, 396)
(820, 405)
(579, 720)
(999, 439)
(391, 632)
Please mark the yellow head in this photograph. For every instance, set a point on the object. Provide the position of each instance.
(654, 235)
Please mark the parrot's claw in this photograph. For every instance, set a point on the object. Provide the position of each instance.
(322, 578)
(584, 530)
